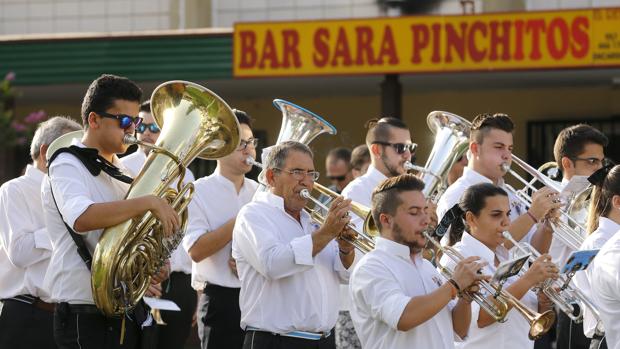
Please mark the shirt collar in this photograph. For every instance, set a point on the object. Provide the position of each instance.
(276, 201)
(474, 177)
(374, 174)
(115, 160)
(476, 248)
(392, 248)
(607, 225)
(225, 181)
(34, 173)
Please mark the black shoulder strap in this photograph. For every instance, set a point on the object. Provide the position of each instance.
(452, 215)
(94, 163)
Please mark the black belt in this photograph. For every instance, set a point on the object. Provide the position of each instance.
(82, 308)
(34, 301)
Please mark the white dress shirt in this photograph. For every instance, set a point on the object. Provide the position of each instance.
(453, 194)
(284, 288)
(605, 281)
(215, 202)
(179, 259)
(25, 248)
(606, 229)
(508, 335)
(359, 191)
(75, 189)
(381, 286)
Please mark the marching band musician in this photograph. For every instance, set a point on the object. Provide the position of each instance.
(398, 298)
(26, 320)
(603, 223)
(212, 212)
(389, 143)
(177, 287)
(490, 147)
(486, 210)
(82, 195)
(578, 151)
(289, 269)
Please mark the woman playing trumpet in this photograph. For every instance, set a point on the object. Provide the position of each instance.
(486, 212)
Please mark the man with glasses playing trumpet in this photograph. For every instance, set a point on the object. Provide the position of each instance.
(289, 268)
(399, 300)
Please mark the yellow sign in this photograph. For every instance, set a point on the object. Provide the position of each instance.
(507, 41)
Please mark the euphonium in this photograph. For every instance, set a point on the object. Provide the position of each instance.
(298, 124)
(194, 122)
(501, 301)
(365, 236)
(451, 141)
(63, 141)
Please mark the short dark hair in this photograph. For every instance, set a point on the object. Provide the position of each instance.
(104, 91)
(386, 196)
(146, 106)
(243, 117)
(473, 200)
(484, 123)
(381, 130)
(340, 153)
(360, 156)
(571, 141)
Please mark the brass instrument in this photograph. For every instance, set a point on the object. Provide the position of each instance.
(63, 141)
(560, 291)
(194, 122)
(503, 300)
(567, 229)
(365, 237)
(451, 142)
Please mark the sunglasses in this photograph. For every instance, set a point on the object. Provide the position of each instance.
(125, 121)
(400, 148)
(337, 178)
(142, 127)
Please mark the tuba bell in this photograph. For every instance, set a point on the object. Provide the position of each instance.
(194, 122)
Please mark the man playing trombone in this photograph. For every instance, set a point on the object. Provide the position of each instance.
(490, 150)
(399, 300)
(289, 268)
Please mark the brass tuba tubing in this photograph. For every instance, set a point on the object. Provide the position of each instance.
(362, 241)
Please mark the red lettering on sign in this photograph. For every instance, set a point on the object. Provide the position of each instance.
(291, 48)
(557, 38)
(456, 41)
(519, 24)
(500, 38)
(476, 55)
(420, 40)
(581, 40)
(388, 47)
(436, 57)
(269, 52)
(321, 47)
(536, 27)
(342, 49)
(364, 47)
(248, 49)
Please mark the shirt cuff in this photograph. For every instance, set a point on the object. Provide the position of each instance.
(302, 250)
(394, 314)
(42, 240)
(74, 209)
(189, 240)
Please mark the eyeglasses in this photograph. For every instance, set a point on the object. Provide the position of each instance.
(244, 144)
(301, 174)
(591, 161)
(400, 147)
(151, 127)
(125, 121)
(337, 178)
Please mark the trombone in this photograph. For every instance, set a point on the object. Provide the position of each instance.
(364, 239)
(568, 229)
(498, 307)
(566, 294)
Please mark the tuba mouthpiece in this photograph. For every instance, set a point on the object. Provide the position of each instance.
(129, 139)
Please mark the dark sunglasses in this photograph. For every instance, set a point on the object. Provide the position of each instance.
(400, 147)
(337, 178)
(125, 121)
(144, 126)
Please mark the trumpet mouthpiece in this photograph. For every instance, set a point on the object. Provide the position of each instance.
(129, 139)
(250, 161)
(505, 167)
(304, 193)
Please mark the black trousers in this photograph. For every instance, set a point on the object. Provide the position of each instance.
(570, 334)
(222, 318)
(266, 340)
(87, 329)
(178, 326)
(23, 325)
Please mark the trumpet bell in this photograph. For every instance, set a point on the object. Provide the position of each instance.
(541, 324)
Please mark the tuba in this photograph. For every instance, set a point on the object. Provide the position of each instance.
(298, 124)
(451, 141)
(194, 122)
(63, 141)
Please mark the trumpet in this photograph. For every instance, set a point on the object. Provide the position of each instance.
(567, 229)
(364, 239)
(565, 294)
(502, 301)
(251, 161)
